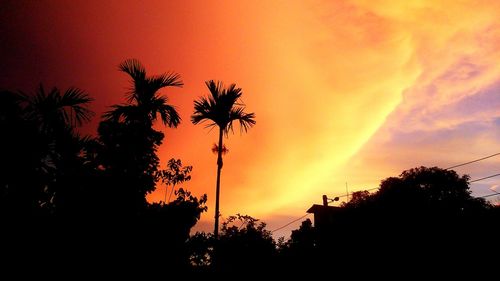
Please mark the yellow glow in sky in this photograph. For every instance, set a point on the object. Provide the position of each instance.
(344, 91)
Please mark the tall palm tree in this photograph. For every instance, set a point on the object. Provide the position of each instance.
(144, 101)
(221, 108)
(129, 139)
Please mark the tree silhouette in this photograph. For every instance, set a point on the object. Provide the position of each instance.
(300, 251)
(173, 175)
(221, 108)
(244, 244)
(425, 211)
(46, 123)
(425, 190)
(23, 171)
(55, 111)
(75, 196)
(129, 142)
(58, 114)
(144, 102)
(201, 250)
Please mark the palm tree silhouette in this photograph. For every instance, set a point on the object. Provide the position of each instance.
(144, 102)
(54, 111)
(56, 115)
(133, 164)
(221, 108)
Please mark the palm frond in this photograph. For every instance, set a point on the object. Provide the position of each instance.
(134, 68)
(170, 79)
(216, 88)
(169, 115)
(204, 110)
(233, 93)
(122, 112)
(137, 72)
(34, 104)
(76, 101)
(136, 90)
(246, 120)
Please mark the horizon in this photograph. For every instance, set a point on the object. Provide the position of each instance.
(345, 94)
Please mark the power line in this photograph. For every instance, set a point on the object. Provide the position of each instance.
(492, 176)
(489, 195)
(476, 180)
(279, 228)
(473, 161)
(344, 195)
(455, 166)
(359, 190)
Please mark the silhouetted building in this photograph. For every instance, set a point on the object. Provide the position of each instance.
(324, 215)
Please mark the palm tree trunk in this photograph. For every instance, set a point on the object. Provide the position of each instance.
(217, 190)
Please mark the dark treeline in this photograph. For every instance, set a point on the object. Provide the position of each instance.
(77, 194)
(79, 202)
(421, 222)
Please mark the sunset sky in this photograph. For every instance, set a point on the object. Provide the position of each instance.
(344, 91)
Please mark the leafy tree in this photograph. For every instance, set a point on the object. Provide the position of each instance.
(425, 211)
(244, 243)
(173, 175)
(423, 190)
(201, 250)
(301, 250)
(358, 198)
(304, 236)
(172, 222)
(181, 214)
(221, 108)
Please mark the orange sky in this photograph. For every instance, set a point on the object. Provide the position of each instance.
(344, 91)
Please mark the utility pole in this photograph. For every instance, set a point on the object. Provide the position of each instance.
(326, 200)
